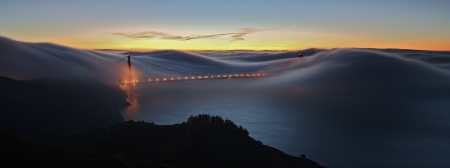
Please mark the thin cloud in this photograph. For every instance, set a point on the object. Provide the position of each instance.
(143, 35)
(234, 36)
(246, 31)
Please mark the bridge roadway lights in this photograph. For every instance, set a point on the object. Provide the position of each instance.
(287, 62)
(172, 79)
(198, 77)
(167, 79)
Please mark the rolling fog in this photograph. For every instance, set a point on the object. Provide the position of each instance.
(340, 107)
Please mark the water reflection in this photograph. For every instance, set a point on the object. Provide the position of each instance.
(132, 112)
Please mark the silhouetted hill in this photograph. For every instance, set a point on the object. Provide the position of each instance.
(27, 106)
(183, 145)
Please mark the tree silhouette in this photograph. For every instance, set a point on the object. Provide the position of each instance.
(303, 156)
(219, 122)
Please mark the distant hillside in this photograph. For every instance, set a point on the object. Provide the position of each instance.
(27, 106)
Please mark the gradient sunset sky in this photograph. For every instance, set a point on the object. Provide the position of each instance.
(231, 24)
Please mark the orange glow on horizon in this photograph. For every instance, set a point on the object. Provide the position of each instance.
(112, 43)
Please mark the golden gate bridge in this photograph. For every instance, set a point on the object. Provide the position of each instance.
(179, 75)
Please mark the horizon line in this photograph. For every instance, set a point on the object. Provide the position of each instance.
(281, 50)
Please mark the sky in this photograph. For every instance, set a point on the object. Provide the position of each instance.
(229, 25)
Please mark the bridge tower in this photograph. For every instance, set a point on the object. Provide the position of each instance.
(130, 74)
(129, 62)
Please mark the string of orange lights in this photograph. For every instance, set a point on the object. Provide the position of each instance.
(179, 78)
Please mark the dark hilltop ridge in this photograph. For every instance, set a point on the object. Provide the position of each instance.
(142, 144)
(46, 126)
